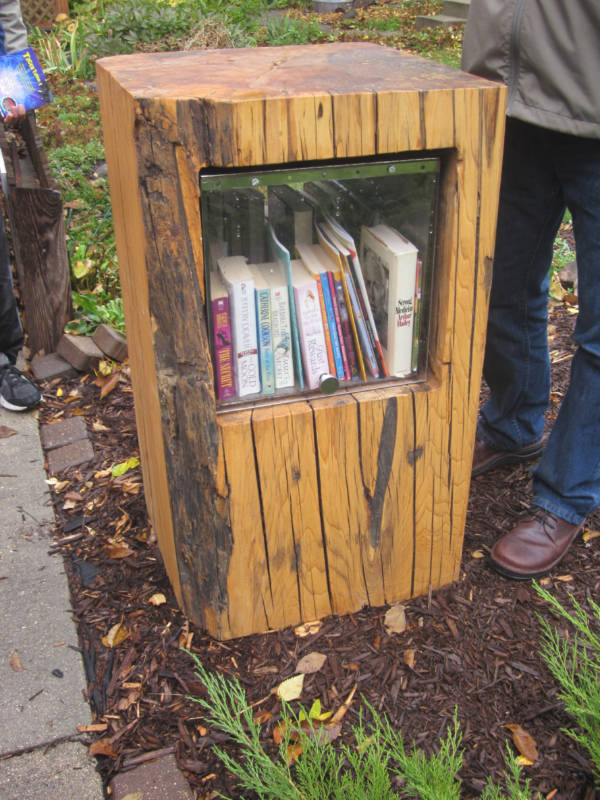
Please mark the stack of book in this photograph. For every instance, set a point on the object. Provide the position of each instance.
(320, 313)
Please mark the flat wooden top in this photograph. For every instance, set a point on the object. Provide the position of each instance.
(272, 72)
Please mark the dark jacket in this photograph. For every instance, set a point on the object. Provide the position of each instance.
(548, 54)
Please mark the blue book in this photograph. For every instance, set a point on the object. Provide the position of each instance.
(264, 331)
(335, 339)
(22, 82)
(282, 255)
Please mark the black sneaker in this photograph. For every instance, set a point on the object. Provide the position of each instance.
(17, 391)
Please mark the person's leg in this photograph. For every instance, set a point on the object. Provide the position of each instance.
(516, 365)
(11, 332)
(567, 480)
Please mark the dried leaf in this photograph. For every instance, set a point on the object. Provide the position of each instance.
(158, 599)
(5, 432)
(588, 535)
(341, 712)
(95, 727)
(523, 761)
(409, 658)
(15, 662)
(105, 367)
(564, 578)
(312, 662)
(477, 554)
(308, 628)
(111, 383)
(291, 689)
(395, 619)
(117, 634)
(99, 427)
(261, 717)
(524, 742)
(103, 747)
(119, 550)
(294, 751)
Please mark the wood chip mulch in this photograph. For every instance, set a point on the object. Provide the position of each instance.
(473, 646)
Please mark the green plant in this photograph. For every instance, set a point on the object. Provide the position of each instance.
(575, 663)
(318, 770)
(512, 783)
(63, 50)
(289, 30)
(93, 309)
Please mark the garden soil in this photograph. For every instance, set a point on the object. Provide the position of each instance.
(473, 646)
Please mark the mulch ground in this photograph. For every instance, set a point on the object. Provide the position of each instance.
(473, 645)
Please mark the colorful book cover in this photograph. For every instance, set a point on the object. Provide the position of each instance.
(282, 256)
(332, 326)
(221, 327)
(282, 338)
(22, 82)
(338, 325)
(240, 288)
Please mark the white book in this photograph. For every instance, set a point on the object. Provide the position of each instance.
(310, 325)
(240, 288)
(273, 276)
(389, 264)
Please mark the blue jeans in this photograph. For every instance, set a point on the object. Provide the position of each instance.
(543, 173)
(11, 332)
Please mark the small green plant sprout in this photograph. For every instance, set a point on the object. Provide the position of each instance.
(575, 664)
(512, 782)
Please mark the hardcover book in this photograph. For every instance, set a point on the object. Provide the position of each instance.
(310, 325)
(240, 288)
(221, 331)
(281, 328)
(22, 82)
(389, 263)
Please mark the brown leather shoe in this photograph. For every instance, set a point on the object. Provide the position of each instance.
(534, 546)
(486, 458)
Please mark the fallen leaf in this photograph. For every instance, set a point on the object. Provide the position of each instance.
(5, 432)
(111, 383)
(341, 712)
(117, 634)
(158, 599)
(588, 535)
(315, 712)
(105, 368)
(524, 742)
(294, 751)
(119, 550)
(291, 689)
(395, 619)
(99, 427)
(477, 554)
(15, 661)
(261, 717)
(312, 662)
(125, 466)
(523, 761)
(409, 658)
(103, 747)
(564, 578)
(307, 628)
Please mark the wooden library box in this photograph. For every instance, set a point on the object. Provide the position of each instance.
(305, 239)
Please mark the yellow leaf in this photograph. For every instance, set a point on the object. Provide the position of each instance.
(291, 689)
(523, 761)
(524, 742)
(409, 658)
(477, 554)
(59, 392)
(395, 619)
(117, 634)
(158, 599)
(588, 535)
(312, 662)
(82, 268)
(307, 628)
(105, 367)
(99, 427)
(124, 466)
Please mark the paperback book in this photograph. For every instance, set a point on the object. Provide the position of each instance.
(22, 82)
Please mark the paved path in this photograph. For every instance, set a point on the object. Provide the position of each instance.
(41, 674)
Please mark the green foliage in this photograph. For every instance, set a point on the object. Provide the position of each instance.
(91, 310)
(63, 50)
(369, 769)
(512, 783)
(289, 30)
(575, 664)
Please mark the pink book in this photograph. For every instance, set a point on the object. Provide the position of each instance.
(221, 326)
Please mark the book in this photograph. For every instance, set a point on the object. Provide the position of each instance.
(310, 325)
(251, 204)
(291, 216)
(281, 255)
(364, 350)
(320, 267)
(348, 242)
(22, 82)
(221, 334)
(240, 289)
(281, 331)
(264, 330)
(389, 263)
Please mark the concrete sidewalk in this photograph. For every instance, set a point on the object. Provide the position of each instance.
(41, 673)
